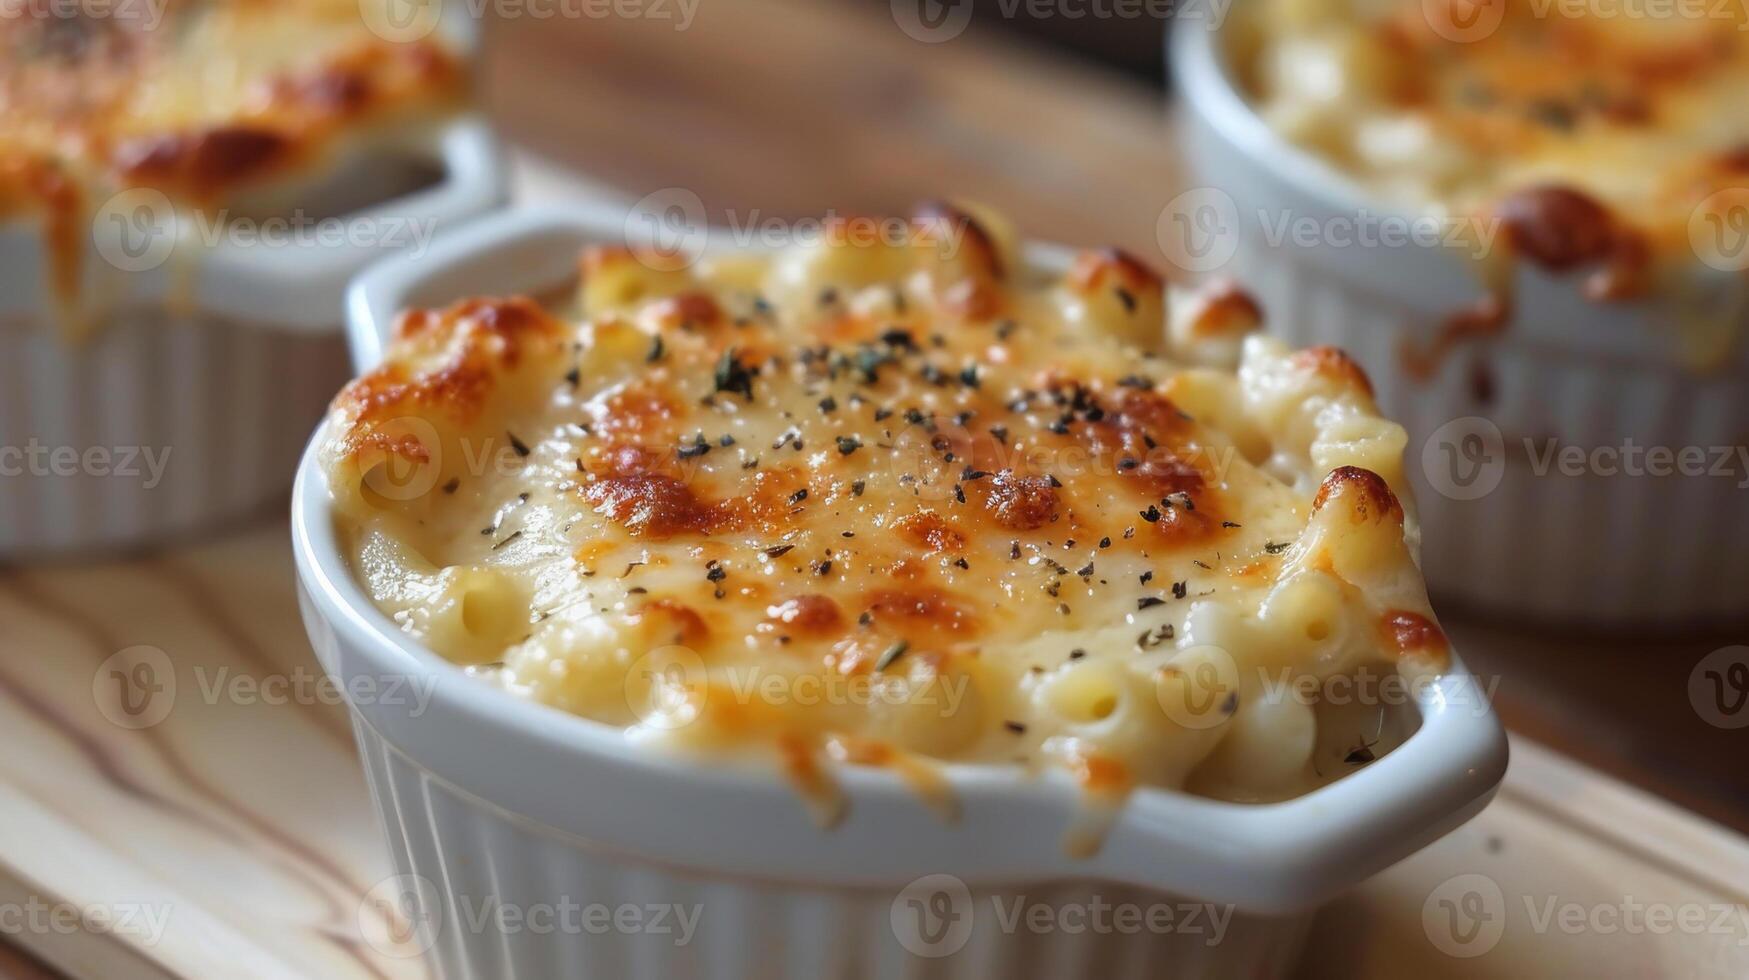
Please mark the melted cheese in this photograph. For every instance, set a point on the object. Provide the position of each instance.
(1576, 135)
(205, 101)
(1641, 113)
(870, 504)
(207, 95)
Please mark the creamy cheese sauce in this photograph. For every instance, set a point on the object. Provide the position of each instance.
(873, 505)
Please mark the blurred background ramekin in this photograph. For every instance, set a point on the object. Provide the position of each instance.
(175, 394)
(162, 358)
(1508, 526)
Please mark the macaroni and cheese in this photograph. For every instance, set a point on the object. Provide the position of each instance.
(1599, 137)
(890, 502)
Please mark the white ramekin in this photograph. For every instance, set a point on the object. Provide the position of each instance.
(486, 798)
(185, 403)
(188, 404)
(1573, 542)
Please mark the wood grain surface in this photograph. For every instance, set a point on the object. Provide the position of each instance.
(244, 825)
(789, 108)
(232, 837)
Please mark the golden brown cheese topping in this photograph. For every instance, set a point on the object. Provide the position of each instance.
(197, 97)
(1601, 138)
(871, 503)
(201, 100)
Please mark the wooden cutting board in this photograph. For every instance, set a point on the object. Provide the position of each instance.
(233, 836)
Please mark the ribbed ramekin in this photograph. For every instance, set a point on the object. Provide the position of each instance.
(185, 403)
(490, 801)
(457, 855)
(1509, 522)
(158, 425)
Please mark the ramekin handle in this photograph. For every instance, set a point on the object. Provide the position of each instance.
(1294, 855)
(522, 250)
(301, 286)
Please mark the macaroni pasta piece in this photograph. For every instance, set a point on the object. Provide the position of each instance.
(888, 502)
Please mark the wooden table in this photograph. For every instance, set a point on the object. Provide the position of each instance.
(262, 839)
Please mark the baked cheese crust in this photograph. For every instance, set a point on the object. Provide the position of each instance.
(1607, 139)
(884, 502)
(204, 100)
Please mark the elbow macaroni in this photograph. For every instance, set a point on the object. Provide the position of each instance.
(877, 502)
